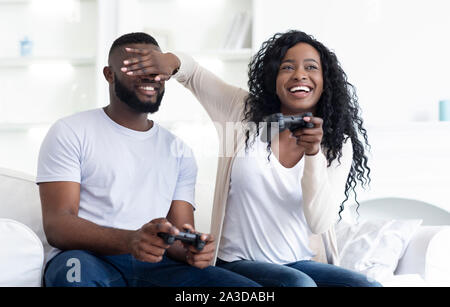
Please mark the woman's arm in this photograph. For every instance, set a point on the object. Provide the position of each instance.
(323, 188)
(223, 102)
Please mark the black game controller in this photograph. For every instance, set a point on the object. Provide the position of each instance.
(187, 237)
(291, 122)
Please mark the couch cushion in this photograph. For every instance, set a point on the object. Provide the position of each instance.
(21, 256)
(19, 201)
(374, 247)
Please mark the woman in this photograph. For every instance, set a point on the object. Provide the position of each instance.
(269, 212)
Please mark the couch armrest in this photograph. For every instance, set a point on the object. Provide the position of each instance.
(427, 254)
(21, 255)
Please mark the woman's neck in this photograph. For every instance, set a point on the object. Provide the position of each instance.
(285, 148)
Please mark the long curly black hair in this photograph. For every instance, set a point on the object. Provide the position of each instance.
(337, 106)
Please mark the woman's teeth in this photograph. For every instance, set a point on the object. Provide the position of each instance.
(300, 88)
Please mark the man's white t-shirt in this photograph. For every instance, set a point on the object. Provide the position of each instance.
(264, 218)
(127, 177)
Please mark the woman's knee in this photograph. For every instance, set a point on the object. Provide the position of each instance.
(361, 280)
(295, 279)
(270, 274)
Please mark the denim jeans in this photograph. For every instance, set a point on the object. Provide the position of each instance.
(298, 274)
(78, 268)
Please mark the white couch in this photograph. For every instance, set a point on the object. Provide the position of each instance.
(23, 243)
(424, 261)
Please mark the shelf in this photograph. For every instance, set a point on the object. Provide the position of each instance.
(27, 1)
(14, 1)
(27, 61)
(22, 127)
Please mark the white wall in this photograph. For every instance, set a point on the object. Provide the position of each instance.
(410, 160)
(394, 51)
(57, 79)
(60, 73)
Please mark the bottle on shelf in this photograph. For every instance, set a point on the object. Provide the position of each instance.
(444, 110)
(26, 47)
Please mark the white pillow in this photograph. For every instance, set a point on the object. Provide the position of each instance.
(21, 255)
(374, 247)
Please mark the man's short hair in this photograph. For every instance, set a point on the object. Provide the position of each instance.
(133, 38)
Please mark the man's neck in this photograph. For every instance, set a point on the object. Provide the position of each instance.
(124, 116)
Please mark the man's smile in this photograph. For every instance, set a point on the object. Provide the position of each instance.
(148, 90)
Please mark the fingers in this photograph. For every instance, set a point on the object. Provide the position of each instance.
(200, 259)
(150, 253)
(160, 225)
(138, 51)
(189, 227)
(147, 62)
(317, 121)
(209, 246)
(135, 60)
(162, 77)
(143, 71)
(315, 138)
(149, 246)
(310, 138)
(208, 238)
(156, 226)
(317, 130)
(142, 67)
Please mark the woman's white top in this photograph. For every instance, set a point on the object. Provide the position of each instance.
(264, 218)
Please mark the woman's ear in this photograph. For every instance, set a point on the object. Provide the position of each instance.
(109, 75)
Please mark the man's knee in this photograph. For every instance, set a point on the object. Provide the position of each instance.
(80, 269)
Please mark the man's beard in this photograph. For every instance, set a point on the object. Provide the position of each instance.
(131, 99)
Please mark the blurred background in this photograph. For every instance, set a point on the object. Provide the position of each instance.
(394, 52)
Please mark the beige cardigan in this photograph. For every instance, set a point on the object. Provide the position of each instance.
(322, 186)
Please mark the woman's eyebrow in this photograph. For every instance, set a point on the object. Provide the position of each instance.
(288, 61)
(311, 60)
(293, 61)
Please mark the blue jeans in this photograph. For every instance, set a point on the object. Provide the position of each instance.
(298, 274)
(78, 268)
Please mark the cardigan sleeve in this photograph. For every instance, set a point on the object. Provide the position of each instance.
(223, 102)
(323, 188)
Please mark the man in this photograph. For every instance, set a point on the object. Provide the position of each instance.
(110, 180)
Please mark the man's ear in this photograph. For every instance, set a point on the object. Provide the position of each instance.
(109, 75)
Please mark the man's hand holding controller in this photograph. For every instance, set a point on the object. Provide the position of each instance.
(199, 247)
(148, 245)
(145, 245)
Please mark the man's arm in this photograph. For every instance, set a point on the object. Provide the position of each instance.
(66, 231)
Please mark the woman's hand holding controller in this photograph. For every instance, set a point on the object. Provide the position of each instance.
(310, 138)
